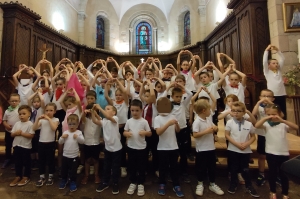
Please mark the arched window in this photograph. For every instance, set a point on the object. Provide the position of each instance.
(187, 29)
(100, 32)
(143, 38)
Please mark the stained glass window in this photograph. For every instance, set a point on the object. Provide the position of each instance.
(187, 29)
(100, 32)
(143, 38)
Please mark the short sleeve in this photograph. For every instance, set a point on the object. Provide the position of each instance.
(228, 127)
(156, 123)
(29, 129)
(126, 128)
(147, 128)
(246, 116)
(116, 118)
(14, 127)
(196, 127)
(252, 129)
(5, 116)
(286, 128)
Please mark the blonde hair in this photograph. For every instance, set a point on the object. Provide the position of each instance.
(232, 96)
(239, 104)
(200, 105)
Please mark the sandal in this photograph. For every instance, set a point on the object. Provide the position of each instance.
(97, 179)
(84, 180)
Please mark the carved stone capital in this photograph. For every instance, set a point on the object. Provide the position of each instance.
(202, 10)
(81, 16)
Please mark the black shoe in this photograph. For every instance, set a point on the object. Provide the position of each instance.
(252, 192)
(115, 189)
(231, 189)
(5, 164)
(101, 187)
(260, 180)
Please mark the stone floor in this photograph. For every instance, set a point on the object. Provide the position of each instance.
(88, 191)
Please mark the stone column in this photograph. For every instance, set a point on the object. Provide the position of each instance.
(154, 41)
(81, 18)
(131, 40)
(202, 20)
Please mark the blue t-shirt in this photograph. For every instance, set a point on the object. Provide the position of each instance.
(101, 97)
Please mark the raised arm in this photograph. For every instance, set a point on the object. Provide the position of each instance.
(106, 90)
(265, 59)
(123, 90)
(178, 60)
(16, 75)
(242, 75)
(98, 107)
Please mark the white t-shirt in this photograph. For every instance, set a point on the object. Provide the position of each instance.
(24, 90)
(276, 140)
(239, 131)
(122, 112)
(58, 106)
(111, 135)
(135, 126)
(20, 140)
(71, 147)
(189, 80)
(47, 97)
(239, 92)
(205, 142)
(167, 140)
(135, 95)
(11, 117)
(212, 88)
(91, 132)
(274, 80)
(261, 114)
(47, 134)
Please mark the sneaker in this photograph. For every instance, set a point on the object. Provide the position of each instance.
(63, 184)
(241, 179)
(92, 170)
(79, 169)
(5, 163)
(140, 190)
(49, 181)
(24, 181)
(162, 190)
(157, 173)
(178, 191)
(40, 182)
(260, 180)
(101, 187)
(73, 186)
(123, 172)
(115, 189)
(15, 182)
(252, 192)
(199, 189)
(278, 181)
(273, 196)
(231, 189)
(186, 178)
(131, 189)
(216, 189)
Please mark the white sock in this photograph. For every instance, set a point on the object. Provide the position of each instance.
(42, 176)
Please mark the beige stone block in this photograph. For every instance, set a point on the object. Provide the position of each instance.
(279, 12)
(271, 30)
(282, 41)
(272, 14)
(278, 28)
(293, 42)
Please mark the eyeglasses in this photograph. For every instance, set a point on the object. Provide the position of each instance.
(266, 96)
(237, 111)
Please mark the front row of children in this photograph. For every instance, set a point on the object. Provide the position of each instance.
(238, 131)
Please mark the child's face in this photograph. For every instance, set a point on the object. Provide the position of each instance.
(147, 96)
(177, 97)
(84, 86)
(185, 65)
(266, 95)
(47, 75)
(272, 112)
(180, 81)
(60, 84)
(70, 104)
(273, 65)
(237, 112)
(90, 99)
(24, 115)
(229, 101)
(158, 88)
(50, 111)
(166, 75)
(234, 79)
(149, 74)
(119, 96)
(95, 70)
(72, 125)
(206, 112)
(204, 79)
(211, 76)
(128, 75)
(36, 103)
(42, 86)
(114, 74)
(136, 87)
(14, 101)
(136, 112)
(110, 111)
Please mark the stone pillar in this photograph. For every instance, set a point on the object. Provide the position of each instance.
(81, 18)
(131, 40)
(202, 20)
(154, 41)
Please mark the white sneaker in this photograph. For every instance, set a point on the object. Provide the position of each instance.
(92, 170)
(131, 189)
(216, 189)
(79, 169)
(141, 190)
(241, 179)
(123, 172)
(199, 189)
(157, 173)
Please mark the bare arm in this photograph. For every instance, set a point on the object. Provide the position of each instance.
(106, 90)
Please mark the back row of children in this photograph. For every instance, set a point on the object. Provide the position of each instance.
(122, 105)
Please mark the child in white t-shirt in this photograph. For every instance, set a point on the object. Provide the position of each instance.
(240, 134)
(70, 140)
(136, 129)
(277, 149)
(22, 133)
(166, 127)
(47, 124)
(113, 146)
(203, 132)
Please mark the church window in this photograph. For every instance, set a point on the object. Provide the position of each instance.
(143, 38)
(100, 32)
(187, 29)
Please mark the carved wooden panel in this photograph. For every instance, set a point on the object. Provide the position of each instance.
(57, 54)
(22, 45)
(227, 46)
(63, 52)
(234, 42)
(50, 54)
(8, 48)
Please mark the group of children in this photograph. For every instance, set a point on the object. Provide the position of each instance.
(141, 111)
